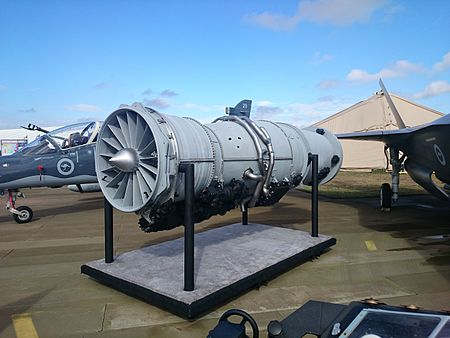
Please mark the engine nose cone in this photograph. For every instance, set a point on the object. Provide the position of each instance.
(126, 160)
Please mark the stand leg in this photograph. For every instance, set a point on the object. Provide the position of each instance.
(109, 245)
(315, 196)
(188, 169)
(245, 217)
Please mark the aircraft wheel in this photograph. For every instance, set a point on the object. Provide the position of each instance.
(385, 197)
(26, 214)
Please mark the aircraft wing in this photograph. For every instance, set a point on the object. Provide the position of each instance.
(397, 135)
(386, 136)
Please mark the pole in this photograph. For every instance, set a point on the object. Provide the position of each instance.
(245, 217)
(188, 169)
(315, 196)
(109, 245)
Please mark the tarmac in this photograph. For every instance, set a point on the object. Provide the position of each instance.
(401, 257)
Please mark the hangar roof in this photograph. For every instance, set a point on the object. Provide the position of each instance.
(373, 114)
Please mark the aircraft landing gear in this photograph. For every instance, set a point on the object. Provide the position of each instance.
(388, 194)
(22, 214)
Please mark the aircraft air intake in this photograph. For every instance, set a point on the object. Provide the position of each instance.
(238, 162)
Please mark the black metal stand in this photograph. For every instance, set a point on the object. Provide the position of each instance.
(188, 170)
(120, 274)
(314, 158)
(109, 241)
(245, 217)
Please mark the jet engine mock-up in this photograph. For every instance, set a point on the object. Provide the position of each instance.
(238, 162)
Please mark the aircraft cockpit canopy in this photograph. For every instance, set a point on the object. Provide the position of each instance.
(75, 134)
(63, 138)
(40, 146)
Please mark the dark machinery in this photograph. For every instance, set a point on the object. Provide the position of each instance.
(227, 329)
(365, 319)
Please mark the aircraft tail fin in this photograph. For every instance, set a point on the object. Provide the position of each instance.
(243, 108)
(394, 110)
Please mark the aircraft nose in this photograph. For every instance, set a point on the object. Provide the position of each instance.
(3, 166)
(6, 168)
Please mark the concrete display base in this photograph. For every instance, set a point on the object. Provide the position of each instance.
(228, 261)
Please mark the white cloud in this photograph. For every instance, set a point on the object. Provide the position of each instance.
(320, 58)
(298, 114)
(264, 103)
(358, 75)
(320, 109)
(197, 107)
(443, 64)
(327, 98)
(162, 101)
(87, 119)
(392, 11)
(27, 110)
(214, 108)
(400, 68)
(328, 84)
(274, 21)
(267, 112)
(84, 108)
(433, 89)
(168, 93)
(338, 12)
(334, 12)
(301, 114)
(147, 92)
(157, 103)
(202, 113)
(164, 93)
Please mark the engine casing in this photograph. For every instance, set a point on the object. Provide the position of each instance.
(237, 162)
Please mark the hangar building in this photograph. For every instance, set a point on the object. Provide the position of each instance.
(373, 114)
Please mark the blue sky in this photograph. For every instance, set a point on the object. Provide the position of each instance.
(299, 61)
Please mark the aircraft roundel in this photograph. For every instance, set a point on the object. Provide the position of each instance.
(439, 155)
(65, 166)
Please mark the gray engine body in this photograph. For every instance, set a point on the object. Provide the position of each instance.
(237, 162)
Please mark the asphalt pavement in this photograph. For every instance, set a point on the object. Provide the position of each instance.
(401, 257)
